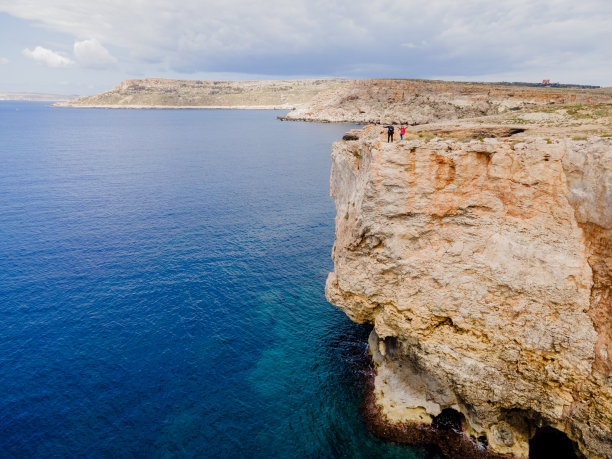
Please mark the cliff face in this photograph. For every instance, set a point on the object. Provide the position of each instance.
(485, 268)
(164, 93)
(420, 102)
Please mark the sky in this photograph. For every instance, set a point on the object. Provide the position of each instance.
(88, 46)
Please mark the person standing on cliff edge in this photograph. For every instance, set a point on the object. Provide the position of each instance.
(390, 131)
(402, 132)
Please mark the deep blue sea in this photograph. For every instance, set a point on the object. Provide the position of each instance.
(161, 288)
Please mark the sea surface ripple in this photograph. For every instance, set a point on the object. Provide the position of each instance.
(161, 288)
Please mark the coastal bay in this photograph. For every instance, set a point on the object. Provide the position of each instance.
(162, 275)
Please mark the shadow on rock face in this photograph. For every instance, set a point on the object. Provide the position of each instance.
(477, 133)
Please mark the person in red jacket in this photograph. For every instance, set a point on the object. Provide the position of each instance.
(402, 132)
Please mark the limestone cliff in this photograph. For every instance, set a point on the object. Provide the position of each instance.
(485, 267)
(420, 102)
(165, 93)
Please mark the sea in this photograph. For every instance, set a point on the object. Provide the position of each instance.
(162, 282)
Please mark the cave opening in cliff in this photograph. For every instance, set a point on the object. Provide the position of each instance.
(449, 419)
(549, 442)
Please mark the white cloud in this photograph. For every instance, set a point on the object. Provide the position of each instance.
(4, 61)
(91, 54)
(47, 57)
(471, 37)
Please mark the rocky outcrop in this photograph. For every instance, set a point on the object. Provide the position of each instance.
(164, 93)
(485, 267)
(420, 102)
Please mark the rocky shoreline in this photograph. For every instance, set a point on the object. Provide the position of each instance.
(447, 434)
(323, 121)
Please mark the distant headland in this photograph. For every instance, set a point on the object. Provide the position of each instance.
(164, 93)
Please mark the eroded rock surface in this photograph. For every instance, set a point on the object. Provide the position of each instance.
(485, 267)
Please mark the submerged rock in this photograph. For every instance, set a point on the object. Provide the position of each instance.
(484, 266)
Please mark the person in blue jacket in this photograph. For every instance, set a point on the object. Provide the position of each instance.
(390, 131)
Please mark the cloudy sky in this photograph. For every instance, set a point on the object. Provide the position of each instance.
(87, 46)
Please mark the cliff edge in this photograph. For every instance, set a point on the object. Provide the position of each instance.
(484, 263)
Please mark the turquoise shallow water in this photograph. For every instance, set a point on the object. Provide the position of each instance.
(161, 288)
